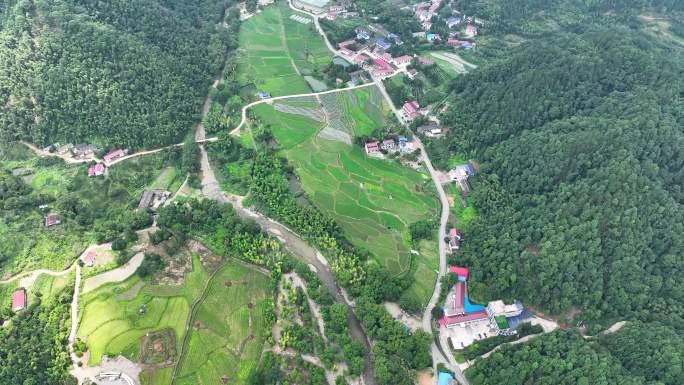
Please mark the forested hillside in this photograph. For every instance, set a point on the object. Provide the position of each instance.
(115, 73)
(647, 354)
(580, 196)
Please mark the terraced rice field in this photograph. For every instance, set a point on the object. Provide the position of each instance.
(373, 200)
(228, 329)
(112, 321)
(276, 52)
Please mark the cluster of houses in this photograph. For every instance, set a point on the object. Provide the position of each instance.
(77, 151)
(460, 312)
(402, 145)
(340, 10)
(458, 25)
(430, 129)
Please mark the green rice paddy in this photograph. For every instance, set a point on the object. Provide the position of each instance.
(373, 200)
(228, 329)
(112, 321)
(276, 51)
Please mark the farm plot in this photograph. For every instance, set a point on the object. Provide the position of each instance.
(228, 329)
(275, 51)
(373, 200)
(114, 323)
(288, 129)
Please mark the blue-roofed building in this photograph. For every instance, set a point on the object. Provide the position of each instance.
(453, 21)
(445, 378)
(362, 34)
(264, 95)
(383, 44)
(433, 37)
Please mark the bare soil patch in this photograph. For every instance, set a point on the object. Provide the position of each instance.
(158, 348)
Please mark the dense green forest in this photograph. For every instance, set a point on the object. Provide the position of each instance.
(34, 346)
(637, 354)
(580, 194)
(115, 73)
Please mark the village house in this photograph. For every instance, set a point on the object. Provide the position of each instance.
(433, 37)
(96, 170)
(332, 16)
(387, 57)
(83, 149)
(412, 73)
(115, 154)
(470, 31)
(362, 34)
(430, 129)
(410, 110)
(348, 15)
(381, 73)
(372, 148)
(63, 150)
(388, 145)
(453, 21)
(426, 25)
(153, 198)
(460, 175)
(19, 299)
(357, 77)
(264, 95)
(336, 8)
(453, 42)
(405, 59)
(52, 220)
(89, 258)
(454, 239)
(383, 44)
(404, 145)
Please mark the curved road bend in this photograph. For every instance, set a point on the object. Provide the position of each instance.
(295, 245)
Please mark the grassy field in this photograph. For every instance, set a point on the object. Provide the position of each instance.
(460, 216)
(288, 129)
(228, 327)
(276, 51)
(373, 200)
(112, 321)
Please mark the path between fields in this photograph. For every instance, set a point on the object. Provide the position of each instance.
(236, 130)
(119, 274)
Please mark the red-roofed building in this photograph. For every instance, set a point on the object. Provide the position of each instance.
(412, 73)
(464, 319)
(381, 63)
(19, 299)
(455, 233)
(379, 73)
(52, 220)
(402, 59)
(114, 154)
(96, 170)
(89, 258)
(387, 56)
(460, 271)
(331, 16)
(453, 42)
(388, 144)
(372, 148)
(411, 109)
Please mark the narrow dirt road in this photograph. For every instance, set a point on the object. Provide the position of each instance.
(119, 274)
